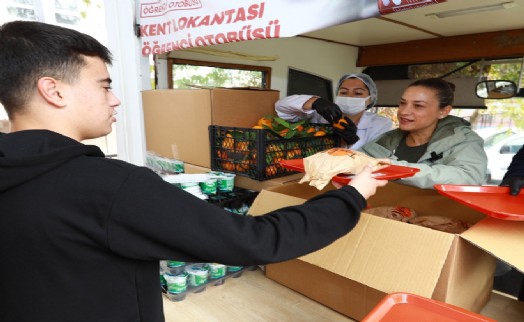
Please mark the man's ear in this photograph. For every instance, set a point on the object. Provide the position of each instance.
(49, 89)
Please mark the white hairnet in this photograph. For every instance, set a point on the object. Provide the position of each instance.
(370, 84)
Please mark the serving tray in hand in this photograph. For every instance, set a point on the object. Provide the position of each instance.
(391, 172)
(493, 201)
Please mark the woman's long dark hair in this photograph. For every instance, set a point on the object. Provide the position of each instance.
(445, 90)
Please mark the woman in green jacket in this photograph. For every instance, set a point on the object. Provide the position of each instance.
(442, 146)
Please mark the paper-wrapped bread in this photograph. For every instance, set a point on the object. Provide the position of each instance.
(399, 213)
(445, 224)
(321, 167)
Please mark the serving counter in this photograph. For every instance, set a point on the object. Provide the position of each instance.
(253, 297)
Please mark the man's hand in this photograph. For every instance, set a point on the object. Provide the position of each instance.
(514, 183)
(328, 110)
(348, 132)
(384, 160)
(365, 184)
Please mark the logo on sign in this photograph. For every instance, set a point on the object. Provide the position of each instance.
(390, 6)
(388, 2)
(160, 8)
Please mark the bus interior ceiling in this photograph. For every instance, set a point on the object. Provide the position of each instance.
(451, 31)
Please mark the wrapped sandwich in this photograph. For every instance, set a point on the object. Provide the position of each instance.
(445, 224)
(321, 167)
(399, 213)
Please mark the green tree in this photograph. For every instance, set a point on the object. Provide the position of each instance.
(511, 110)
(186, 75)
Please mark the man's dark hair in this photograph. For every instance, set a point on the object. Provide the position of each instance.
(30, 50)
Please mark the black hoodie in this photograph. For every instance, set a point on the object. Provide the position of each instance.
(81, 235)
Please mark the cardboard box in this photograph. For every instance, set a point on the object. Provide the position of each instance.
(381, 256)
(176, 120)
(194, 169)
(247, 183)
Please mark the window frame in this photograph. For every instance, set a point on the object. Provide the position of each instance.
(266, 71)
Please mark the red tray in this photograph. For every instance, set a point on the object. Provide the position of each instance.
(391, 172)
(407, 307)
(493, 201)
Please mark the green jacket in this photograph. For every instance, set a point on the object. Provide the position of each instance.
(455, 155)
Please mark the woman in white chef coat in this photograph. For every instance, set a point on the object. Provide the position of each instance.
(356, 93)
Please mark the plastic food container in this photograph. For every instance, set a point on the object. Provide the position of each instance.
(407, 307)
(235, 271)
(217, 272)
(197, 276)
(163, 165)
(209, 187)
(163, 282)
(176, 286)
(226, 182)
(175, 267)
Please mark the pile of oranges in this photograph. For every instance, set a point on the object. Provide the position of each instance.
(289, 130)
(237, 148)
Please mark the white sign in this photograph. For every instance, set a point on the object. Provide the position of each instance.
(167, 25)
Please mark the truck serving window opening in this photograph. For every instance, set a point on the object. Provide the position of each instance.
(182, 73)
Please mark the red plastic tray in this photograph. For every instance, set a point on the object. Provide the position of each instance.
(406, 307)
(493, 201)
(391, 172)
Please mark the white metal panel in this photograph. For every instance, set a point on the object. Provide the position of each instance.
(130, 74)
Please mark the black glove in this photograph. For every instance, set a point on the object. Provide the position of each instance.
(514, 183)
(349, 133)
(328, 110)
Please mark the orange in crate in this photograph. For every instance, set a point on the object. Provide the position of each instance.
(265, 121)
(339, 123)
(257, 153)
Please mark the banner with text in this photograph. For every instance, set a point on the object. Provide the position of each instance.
(167, 25)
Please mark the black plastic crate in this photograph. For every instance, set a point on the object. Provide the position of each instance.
(233, 199)
(255, 153)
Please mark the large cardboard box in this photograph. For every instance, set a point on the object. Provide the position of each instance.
(176, 120)
(380, 256)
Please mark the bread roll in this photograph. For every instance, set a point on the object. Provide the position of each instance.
(399, 213)
(445, 224)
(321, 167)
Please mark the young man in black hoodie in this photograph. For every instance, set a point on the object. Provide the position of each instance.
(81, 235)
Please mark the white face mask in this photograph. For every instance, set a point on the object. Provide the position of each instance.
(351, 105)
